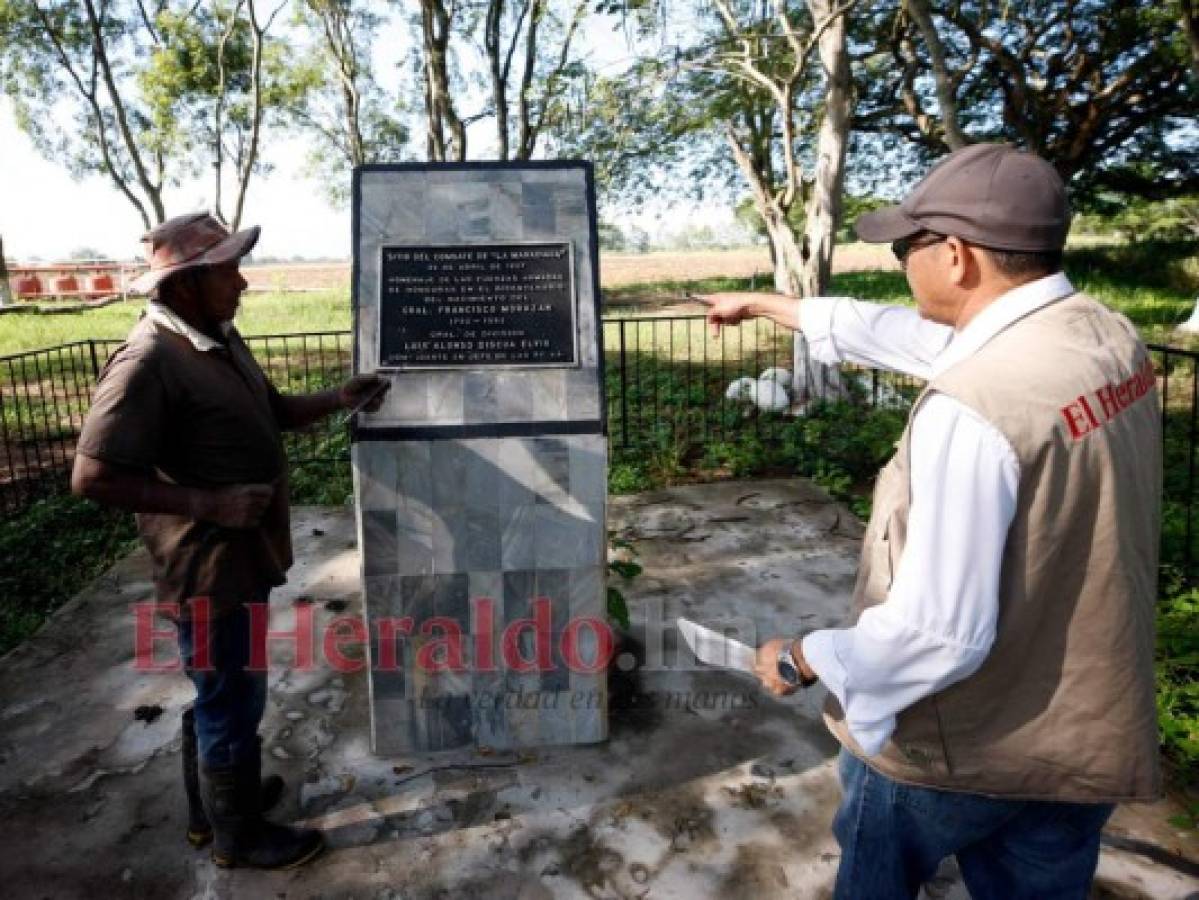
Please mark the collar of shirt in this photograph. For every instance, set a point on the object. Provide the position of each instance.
(998, 315)
(166, 317)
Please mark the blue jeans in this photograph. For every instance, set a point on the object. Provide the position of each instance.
(893, 836)
(230, 697)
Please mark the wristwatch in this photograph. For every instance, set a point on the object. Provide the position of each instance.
(789, 671)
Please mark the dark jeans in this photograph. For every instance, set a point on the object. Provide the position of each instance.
(230, 697)
(893, 836)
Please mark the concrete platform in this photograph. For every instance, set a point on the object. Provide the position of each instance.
(707, 788)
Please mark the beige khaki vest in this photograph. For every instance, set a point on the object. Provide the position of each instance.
(1063, 706)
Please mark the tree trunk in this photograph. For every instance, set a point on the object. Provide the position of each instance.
(152, 190)
(823, 197)
(1190, 27)
(218, 115)
(251, 157)
(784, 250)
(5, 291)
(499, 80)
(823, 206)
(439, 105)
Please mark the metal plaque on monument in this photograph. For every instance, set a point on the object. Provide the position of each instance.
(481, 483)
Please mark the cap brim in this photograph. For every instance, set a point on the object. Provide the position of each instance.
(885, 225)
(233, 247)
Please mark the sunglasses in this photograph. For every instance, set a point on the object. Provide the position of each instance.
(904, 247)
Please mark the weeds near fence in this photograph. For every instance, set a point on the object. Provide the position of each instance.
(48, 553)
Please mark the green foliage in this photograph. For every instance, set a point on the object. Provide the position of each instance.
(618, 608)
(179, 99)
(852, 206)
(1012, 82)
(628, 478)
(623, 565)
(625, 568)
(741, 457)
(1135, 219)
(1178, 679)
(630, 239)
(859, 438)
(347, 115)
(49, 553)
(325, 483)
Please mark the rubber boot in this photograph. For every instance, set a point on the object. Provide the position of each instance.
(199, 831)
(241, 836)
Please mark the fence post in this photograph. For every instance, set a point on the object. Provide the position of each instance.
(91, 343)
(1190, 462)
(624, 392)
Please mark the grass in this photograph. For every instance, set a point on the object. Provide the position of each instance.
(266, 313)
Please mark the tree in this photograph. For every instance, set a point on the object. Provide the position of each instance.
(215, 72)
(445, 130)
(1097, 87)
(537, 104)
(352, 119)
(153, 95)
(764, 85)
(775, 105)
(76, 53)
(754, 95)
(529, 57)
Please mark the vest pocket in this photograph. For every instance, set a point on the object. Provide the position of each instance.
(919, 743)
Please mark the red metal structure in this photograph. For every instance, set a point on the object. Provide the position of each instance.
(86, 280)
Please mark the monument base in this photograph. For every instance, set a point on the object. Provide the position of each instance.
(484, 568)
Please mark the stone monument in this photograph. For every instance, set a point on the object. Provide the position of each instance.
(481, 483)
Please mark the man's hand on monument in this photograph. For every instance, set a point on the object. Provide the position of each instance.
(361, 387)
(237, 506)
(766, 667)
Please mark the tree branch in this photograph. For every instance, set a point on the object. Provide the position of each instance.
(946, 92)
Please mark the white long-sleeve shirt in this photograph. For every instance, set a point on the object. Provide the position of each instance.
(937, 623)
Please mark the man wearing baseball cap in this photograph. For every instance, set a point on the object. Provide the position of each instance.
(184, 430)
(994, 697)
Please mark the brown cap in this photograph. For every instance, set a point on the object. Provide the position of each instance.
(992, 195)
(187, 242)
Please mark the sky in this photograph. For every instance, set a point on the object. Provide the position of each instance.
(45, 213)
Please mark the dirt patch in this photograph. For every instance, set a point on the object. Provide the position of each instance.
(757, 871)
(298, 276)
(587, 860)
(753, 795)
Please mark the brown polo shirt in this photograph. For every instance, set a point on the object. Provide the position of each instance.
(199, 418)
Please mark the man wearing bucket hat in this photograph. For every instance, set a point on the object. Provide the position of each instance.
(184, 430)
(994, 697)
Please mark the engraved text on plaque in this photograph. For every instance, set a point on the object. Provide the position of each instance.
(477, 306)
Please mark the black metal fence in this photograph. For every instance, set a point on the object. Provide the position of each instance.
(667, 383)
(670, 382)
(44, 395)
